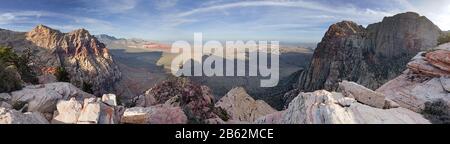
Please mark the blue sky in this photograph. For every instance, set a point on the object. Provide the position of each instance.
(168, 20)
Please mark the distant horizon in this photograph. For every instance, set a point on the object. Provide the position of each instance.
(296, 21)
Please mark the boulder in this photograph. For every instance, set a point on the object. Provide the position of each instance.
(109, 99)
(43, 98)
(159, 114)
(242, 107)
(90, 114)
(67, 112)
(362, 94)
(10, 116)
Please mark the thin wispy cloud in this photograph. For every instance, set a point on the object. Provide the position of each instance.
(289, 4)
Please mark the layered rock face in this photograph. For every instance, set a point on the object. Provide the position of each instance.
(86, 60)
(426, 79)
(323, 107)
(369, 56)
(242, 107)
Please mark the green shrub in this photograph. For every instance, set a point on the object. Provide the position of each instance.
(8, 79)
(444, 38)
(27, 74)
(8, 57)
(437, 112)
(62, 75)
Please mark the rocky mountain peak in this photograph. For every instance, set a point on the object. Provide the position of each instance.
(44, 29)
(44, 36)
(344, 28)
(86, 60)
(402, 34)
(81, 32)
(369, 56)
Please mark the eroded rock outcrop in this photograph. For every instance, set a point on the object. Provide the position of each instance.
(426, 79)
(242, 107)
(195, 100)
(369, 56)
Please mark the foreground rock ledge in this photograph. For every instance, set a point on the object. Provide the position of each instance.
(323, 107)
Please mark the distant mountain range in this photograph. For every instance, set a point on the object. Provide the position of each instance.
(122, 43)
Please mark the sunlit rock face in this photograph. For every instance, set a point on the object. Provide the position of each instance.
(86, 60)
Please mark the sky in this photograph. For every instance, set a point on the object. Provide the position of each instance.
(289, 21)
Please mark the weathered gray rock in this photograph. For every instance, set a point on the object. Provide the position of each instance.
(242, 107)
(43, 98)
(159, 114)
(362, 94)
(10, 116)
